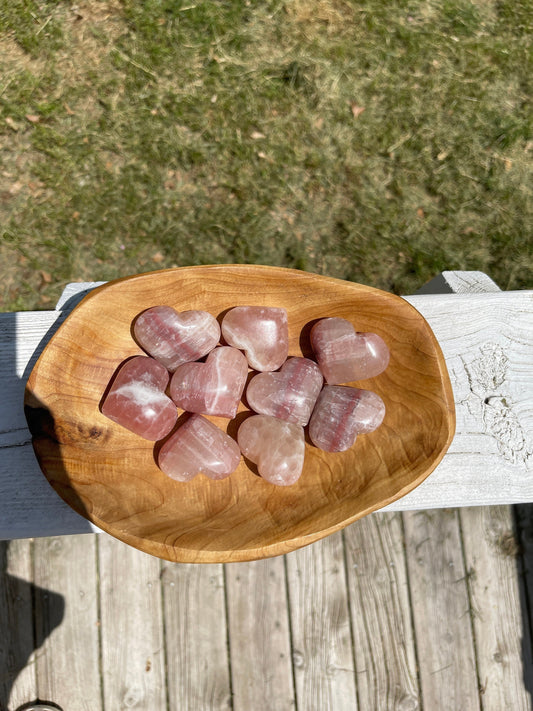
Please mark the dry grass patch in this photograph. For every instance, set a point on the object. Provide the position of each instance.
(335, 15)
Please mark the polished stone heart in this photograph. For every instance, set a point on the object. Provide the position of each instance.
(289, 394)
(214, 387)
(198, 446)
(176, 337)
(344, 355)
(137, 401)
(341, 413)
(261, 332)
(275, 446)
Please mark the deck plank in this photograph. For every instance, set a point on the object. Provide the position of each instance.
(324, 669)
(385, 658)
(18, 683)
(132, 645)
(66, 619)
(441, 610)
(502, 639)
(195, 625)
(259, 636)
(523, 519)
(198, 674)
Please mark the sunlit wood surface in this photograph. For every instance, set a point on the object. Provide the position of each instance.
(110, 475)
(404, 611)
(414, 609)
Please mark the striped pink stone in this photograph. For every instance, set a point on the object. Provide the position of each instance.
(214, 387)
(261, 332)
(198, 446)
(345, 355)
(289, 394)
(174, 337)
(137, 401)
(275, 446)
(341, 413)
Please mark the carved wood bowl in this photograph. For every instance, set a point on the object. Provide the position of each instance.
(110, 476)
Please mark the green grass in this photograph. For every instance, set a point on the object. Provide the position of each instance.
(136, 136)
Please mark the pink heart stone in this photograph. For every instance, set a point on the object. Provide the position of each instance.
(277, 447)
(290, 394)
(345, 355)
(261, 332)
(175, 338)
(341, 413)
(199, 446)
(214, 387)
(137, 400)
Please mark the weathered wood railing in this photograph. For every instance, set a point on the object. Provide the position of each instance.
(486, 336)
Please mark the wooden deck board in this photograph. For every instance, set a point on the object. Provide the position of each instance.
(66, 619)
(401, 611)
(259, 635)
(523, 529)
(132, 644)
(385, 656)
(441, 610)
(198, 674)
(503, 647)
(18, 682)
(323, 661)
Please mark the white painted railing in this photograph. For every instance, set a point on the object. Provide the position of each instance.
(486, 336)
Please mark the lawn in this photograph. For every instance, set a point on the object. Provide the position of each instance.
(379, 142)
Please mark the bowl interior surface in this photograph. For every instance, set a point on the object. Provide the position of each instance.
(110, 475)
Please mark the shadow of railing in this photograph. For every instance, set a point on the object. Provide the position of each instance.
(29, 507)
(28, 504)
(22, 632)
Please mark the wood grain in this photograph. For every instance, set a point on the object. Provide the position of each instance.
(22, 336)
(385, 659)
(487, 340)
(18, 682)
(523, 517)
(473, 471)
(323, 655)
(501, 630)
(441, 611)
(109, 475)
(68, 672)
(198, 674)
(132, 645)
(459, 282)
(259, 637)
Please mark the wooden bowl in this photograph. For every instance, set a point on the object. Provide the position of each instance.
(110, 476)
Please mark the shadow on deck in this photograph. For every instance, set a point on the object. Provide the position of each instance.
(28, 615)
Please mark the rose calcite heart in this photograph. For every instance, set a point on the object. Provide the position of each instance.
(286, 400)
(198, 446)
(174, 338)
(261, 332)
(341, 413)
(214, 387)
(275, 446)
(345, 355)
(289, 394)
(136, 399)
